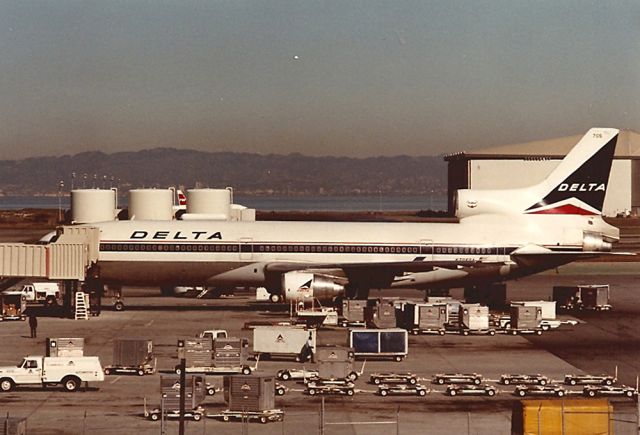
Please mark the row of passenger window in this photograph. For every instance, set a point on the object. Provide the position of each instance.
(340, 249)
(156, 247)
(465, 250)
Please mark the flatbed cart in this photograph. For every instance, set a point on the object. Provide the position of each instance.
(334, 387)
(296, 374)
(467, 331)
(402, 390)
(514, 331)
(263, 417)
(346, 324)
(393, 378)
(140, 370)
(603, 379)
(418, 331)
(156, 413)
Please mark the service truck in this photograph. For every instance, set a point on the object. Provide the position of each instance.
(69, 371)
(44, 293)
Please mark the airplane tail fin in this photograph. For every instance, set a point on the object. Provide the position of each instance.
(182, 198)
(577, 186)
(579, 183)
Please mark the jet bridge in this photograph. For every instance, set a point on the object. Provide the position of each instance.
(68, 257)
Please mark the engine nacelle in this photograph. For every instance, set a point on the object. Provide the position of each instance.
(595, 242)
(305, 286)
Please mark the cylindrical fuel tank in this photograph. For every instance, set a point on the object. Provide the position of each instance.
(151, 204)
(210, 202)
(93, 205)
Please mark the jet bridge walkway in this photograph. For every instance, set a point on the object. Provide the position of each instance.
(68, 257)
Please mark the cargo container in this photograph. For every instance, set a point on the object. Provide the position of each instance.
(335, 353)
(370, 343)
(594, 297)
(525, 317)
(590, 297)
(65, 346)
(353, 310)
(12, 305)
(195, 389)
(132, 355)
(230, 352)
(249, 393)
(453, 307)
(335, 362)
(568, 417)
(228, 356)
(548, 307)
(381, 315)
(13, 425)
(282, 341)
(474, 318)
(425, 318)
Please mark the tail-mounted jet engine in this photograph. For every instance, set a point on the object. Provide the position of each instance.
(305, 286)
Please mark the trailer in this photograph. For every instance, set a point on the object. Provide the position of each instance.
(132, 356)
(12, 305)
(282, 341)
(264, 417)
(603, 379)
(380, 343)
(381, 315)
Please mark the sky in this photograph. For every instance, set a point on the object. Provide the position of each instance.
(353, 78)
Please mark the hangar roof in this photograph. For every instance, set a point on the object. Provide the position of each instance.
(628, 147)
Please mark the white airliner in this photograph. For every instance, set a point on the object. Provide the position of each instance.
(500, 235)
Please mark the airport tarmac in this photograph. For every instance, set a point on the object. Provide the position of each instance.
(601, 341)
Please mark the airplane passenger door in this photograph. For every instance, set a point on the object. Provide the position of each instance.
(246, 249)
(426, 249)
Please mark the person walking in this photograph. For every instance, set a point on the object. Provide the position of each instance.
(33, 325)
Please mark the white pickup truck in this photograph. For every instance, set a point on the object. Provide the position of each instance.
(47, 293)
(70, 371)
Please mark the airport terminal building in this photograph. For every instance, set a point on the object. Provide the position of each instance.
(521, 165)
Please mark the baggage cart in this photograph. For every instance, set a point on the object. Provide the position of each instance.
(402, 390)
(380, 343)
(249, 393)
(524, 319)
(425, 318)
(195, 393)
(132, 356)
(353, 312)
(381, 315)
(393, 378)
(334, 387)
(264, 417)
(229, 356)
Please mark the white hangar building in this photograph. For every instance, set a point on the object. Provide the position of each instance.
(525, 164)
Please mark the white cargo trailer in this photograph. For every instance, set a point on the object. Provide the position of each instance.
(282, 341)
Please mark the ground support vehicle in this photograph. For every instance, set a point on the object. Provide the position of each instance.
(70, 372)
(523, 379)
(260, 416)
(548, 324)
(393, 378)
(337, 387)
(603, 379)
(43, 293)
(471, 390)
(296, 374)
(540, 390)
(457, 378)
(212, 334)
(610, 390)
(402, 390)
(12, 305)
(142, 370)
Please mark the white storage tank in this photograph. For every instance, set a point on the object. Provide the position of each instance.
(151, 204)
(208, 204)
(93, 205)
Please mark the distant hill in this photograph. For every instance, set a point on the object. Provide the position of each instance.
(292, 174)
